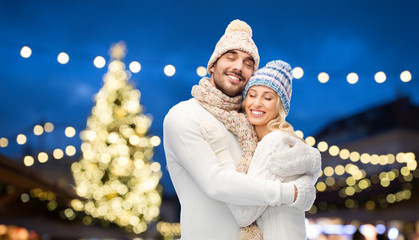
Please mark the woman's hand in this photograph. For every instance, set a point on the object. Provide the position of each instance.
(299, 158)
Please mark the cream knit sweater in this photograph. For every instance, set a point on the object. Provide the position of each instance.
(276, 222)
(203, 185)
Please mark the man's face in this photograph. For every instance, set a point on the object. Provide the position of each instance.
(232, 71)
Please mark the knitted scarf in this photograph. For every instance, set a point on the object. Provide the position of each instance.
(225, 109)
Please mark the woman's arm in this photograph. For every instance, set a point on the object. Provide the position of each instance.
(185, 145)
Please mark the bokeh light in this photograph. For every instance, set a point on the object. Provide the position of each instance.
(201, 71)
(323, 77)
(28, 161)
(4, 142)
(21, 139)
(352, 78)
(38, 130)
(63, 58)
(25, 52)
(70, 132)
(99, 62)
(406, 76)
(135, 67)
(42, 157)
(58, 153)
(48, 127)
(169, 70)
(380, 77)
(298, 72)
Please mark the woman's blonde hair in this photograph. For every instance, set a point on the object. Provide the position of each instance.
(279, 122)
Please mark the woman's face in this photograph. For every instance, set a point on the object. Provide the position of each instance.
(260, 105)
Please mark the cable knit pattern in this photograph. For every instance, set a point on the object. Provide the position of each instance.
(305, 159)
(225, 108)
(306, 192)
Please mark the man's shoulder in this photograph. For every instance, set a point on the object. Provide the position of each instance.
(184, 108)
(189, 110)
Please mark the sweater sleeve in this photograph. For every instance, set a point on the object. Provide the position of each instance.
(185, 145)
(246, 215)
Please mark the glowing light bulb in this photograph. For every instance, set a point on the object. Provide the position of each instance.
(380, 77)
(297, 73)
(38, 130)
(352, 78)
(70, 132)
(310, 140)
(99, 62)
(21, 139)
(28, 161)
(58, 153)
(49, 127)
(25, 52)
(42, 157)
(405, 76)
(201, 71)
(169, 70)
(4, 142)
(322, 146)
(63, 58)
(323, 77)
(70, 150)
(135, 67)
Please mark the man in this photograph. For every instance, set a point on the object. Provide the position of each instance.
(201, 183)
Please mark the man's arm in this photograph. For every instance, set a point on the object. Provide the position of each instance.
(184, 144)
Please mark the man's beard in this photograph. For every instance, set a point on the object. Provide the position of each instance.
(229, 92)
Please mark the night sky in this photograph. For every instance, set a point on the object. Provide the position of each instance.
(336, 37)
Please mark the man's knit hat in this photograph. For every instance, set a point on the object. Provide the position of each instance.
(238, 35)
(277, 76)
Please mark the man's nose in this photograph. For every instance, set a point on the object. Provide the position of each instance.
(238, 65)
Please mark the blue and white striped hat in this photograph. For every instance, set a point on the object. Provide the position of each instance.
(277, 76)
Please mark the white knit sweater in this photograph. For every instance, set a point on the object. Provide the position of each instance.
(203, 185)
(285, 221)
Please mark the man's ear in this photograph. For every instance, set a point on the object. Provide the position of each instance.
(212, 70)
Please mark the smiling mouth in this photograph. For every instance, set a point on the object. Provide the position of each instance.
(235, 77)
(257, 113)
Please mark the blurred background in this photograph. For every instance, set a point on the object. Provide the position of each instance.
(354, 97)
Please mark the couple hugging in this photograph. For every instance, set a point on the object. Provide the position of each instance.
(237, 166)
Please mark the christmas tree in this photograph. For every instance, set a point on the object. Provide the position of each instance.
(115, 173)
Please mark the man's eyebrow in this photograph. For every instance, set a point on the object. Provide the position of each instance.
(234, 51)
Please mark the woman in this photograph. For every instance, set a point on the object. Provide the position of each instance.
(266, 104)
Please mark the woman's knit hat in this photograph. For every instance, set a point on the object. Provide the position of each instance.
(238, 35)
(277, 76)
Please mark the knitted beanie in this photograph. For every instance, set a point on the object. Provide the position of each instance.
(238, 36)
(277, 76)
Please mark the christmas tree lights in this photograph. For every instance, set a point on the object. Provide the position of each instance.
(115, 173)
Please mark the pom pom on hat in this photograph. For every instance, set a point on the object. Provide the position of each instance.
(276, 75)
(237, 25)
(238, 35)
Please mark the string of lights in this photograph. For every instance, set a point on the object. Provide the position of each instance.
(170, 70)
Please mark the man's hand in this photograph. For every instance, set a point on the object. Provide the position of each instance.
(300, 158)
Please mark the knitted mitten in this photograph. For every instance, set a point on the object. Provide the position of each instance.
(306, 193)
(300, 158)
(251, 232)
